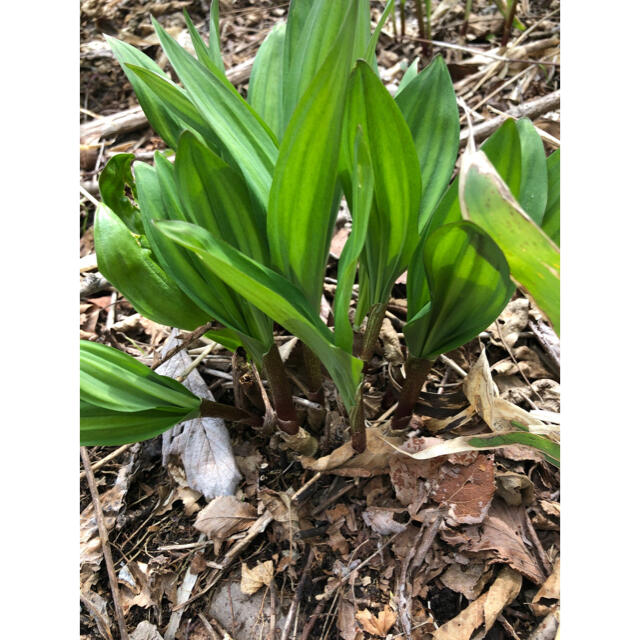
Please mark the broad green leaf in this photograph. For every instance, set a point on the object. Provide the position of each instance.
(159, 113)
(242, 133)
(215, 196)
(393, 224)
(228, 338)
(106, 428)
(534, 260)
(362, 199)
(160, 200)
(409, 75)
(131, 268)
(266, 81)
(428, 104)
(532, 195)
(115, 176)
(275, 296)
(469, 285)
(114, 380)
(312, 36)
(503, 150)
(214, 34)
(551, 220)
(302, 202)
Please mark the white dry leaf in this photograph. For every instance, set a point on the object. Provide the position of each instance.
(512, 321)
(483, 396)
(146, 631)
(253, 580)
(202, 445)
(224, 516)
(382, 522)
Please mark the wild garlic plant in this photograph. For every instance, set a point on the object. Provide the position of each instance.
(237, 227)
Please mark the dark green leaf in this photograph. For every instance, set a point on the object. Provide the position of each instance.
(115, 176)
(532, 195)
(551, 220)
(469, 285)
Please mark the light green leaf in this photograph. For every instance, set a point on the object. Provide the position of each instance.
(534, 260)
(361, 201)
(551, 219)
(115, 176)
(370, 55)
(214, 35)
(242, 133)
(132, 269)
(428, 104)
(212, 62)
(532, 195)
(275, 296)
(409, 75)
(302, 202)
(266, 82)
(469, 285)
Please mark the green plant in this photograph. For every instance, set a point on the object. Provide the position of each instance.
(237, 229)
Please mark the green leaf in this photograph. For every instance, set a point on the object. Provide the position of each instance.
(362, 198)
(533, 258)
(551, 219)
(303, 203)
(131, 268)
(503, 150)
(214, 35)
(393, 225)
(159, 113)
(160, 200)
(241, 132)
(275, 296)
(114, 380)
(266, 82)
(408, 77)
(115, 176)
(532, 195)
(469, 285)
(212, 62)
(215, 196)
(370, 55)
(428, 104)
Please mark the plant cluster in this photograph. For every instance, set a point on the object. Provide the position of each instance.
(237, 227)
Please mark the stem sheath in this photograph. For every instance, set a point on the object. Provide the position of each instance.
(211, 409)
(417, 370)
(374, 322)
(280, 391)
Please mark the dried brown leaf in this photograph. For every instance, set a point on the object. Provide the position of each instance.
(254, 579)
(478, 618)
(381, 521)
(469, 580)
(224, 516)
(377, 625)
(346, 621)
(513, 320)
(514, 488)
(549, 591)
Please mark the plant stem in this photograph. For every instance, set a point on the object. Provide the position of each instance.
(417, 370)
(508, 23)
(280, 391)
(374, 322)
(420, 19)
(211, 409)
(403, 23)
(358, 427)
(427, 5)
(314, 374)
(467, 13)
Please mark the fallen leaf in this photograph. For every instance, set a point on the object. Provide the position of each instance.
(513, 320)
(254, 579)
(224, 516)
(343, 461)
(549, 591)
(469, 580)
(377, 625)
(135, 589)
(529, 364)
(500, 539)
(467, 490)
(339, 240)
(381, 521)
(514, 488)
(391, 343)
(346, 621)
(146, 631)
(478, 618)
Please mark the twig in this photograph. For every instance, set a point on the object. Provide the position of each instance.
(208, 349)
(304, 489)
(297, 596)
(531, 109)
(104, 541)
(114, 454)
(207, 625)
(221, 630)
(185, 343)
(88, 196)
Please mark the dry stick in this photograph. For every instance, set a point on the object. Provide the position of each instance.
(186, 342)
(114, 454)
(207, 625)
(531, 109)
(327, 594)
(104, 541)
(297, 596)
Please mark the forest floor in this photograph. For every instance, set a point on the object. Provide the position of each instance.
(363, 550)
